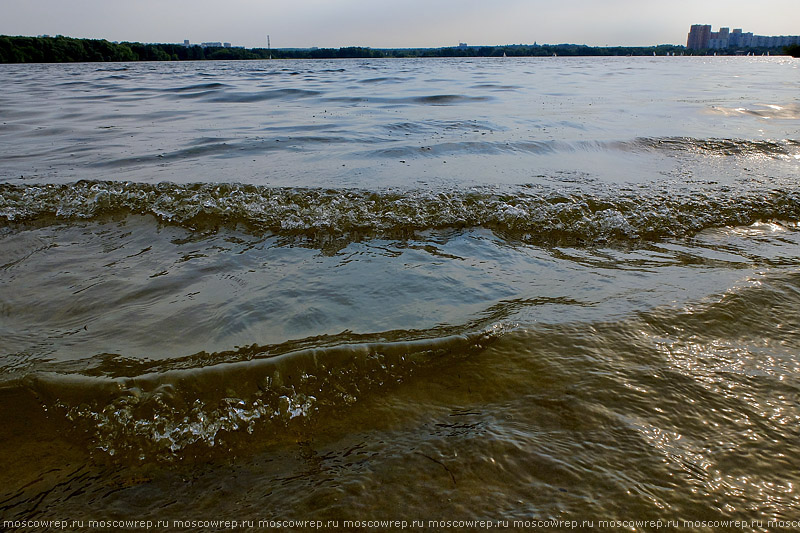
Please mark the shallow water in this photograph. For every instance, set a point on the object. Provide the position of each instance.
(496, 289)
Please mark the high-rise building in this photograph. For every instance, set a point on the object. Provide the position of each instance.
(702, 38)
(719, 39)
(699, 35)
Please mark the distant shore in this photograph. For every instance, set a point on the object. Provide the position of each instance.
(20, 49)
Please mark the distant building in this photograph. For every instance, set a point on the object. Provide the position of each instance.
(462, 45)
(186, 42)
(215, 44)
(699, 35)
(226, 45)
(702, 38)
(718, 38)
(738, 39)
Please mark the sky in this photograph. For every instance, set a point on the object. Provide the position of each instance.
(394, 24)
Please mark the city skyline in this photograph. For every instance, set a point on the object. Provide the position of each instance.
(415, 23)
(701, 37)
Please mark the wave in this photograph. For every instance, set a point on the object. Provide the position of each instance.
(433, 99)
(724, 147)
(535, 214)
(157, 414)
(217, 403)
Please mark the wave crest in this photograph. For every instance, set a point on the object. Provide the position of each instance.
(534, 214)
(156, 415)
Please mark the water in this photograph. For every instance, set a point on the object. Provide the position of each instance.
(429, 289)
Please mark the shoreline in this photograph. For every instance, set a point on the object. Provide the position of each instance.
(22, 49)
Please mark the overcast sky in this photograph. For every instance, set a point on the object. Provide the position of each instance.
(408, 23)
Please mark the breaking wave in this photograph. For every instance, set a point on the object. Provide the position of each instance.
(537, 214)
(159, 413)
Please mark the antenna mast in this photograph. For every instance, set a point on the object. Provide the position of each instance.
(269, 48)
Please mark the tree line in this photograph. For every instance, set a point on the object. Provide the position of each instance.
(61, 49)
